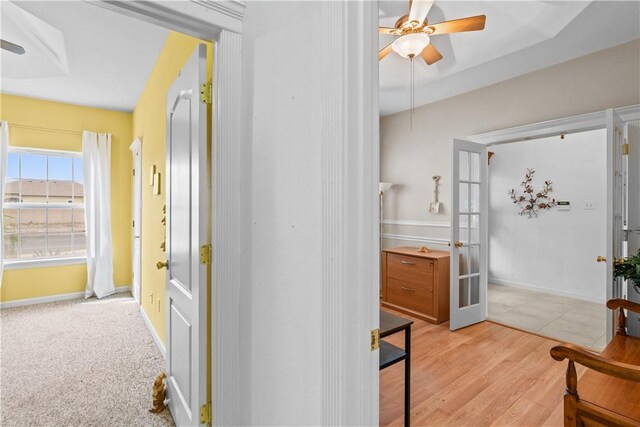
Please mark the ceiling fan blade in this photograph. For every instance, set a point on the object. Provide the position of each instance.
(430, 54)
(418, 10)
(11, 47)
(386, 30)
(384, 52)
(472, 23)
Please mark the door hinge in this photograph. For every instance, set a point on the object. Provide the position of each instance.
(133, 223)
(205, 414)
(205, 254)
(625, 149)
(375, 339)
(206, 94)
(134, 172)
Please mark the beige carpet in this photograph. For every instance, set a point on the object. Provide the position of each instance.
(78, 363)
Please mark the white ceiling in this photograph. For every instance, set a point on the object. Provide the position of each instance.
(519, 37)
(108, 56)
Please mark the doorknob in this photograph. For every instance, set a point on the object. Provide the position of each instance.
(600, 258)
(458, 244)
(161, 264)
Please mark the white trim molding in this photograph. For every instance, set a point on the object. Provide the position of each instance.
(24, 264)
(219, 21)
(417, 223)
(53, 298)
(566, 125)
(229, 236)
(349, 201)
(416, 239)
(154, 334)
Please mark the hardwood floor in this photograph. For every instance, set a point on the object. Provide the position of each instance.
(483, 375)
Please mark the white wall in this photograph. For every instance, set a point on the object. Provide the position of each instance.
(281, 311)
(555, 251)
(410, 158)
(310, 298)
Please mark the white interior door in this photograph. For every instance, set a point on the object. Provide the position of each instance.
(136, 151)
(632, 188)
(186, 231)
(468, 234)
(616, 209)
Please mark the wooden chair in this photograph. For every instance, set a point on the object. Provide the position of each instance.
(610, 389)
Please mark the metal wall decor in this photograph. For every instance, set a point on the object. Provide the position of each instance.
(531, 202)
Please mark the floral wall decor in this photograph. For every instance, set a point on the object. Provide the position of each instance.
(531, 202)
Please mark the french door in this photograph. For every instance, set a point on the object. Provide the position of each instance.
(468, 303)
(617, 224)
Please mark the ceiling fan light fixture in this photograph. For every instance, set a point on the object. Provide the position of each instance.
(410, 45)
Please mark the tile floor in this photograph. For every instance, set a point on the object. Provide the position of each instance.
(566, 319)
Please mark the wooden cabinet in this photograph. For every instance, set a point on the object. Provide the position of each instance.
(416, 283)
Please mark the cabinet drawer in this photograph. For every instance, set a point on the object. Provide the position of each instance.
(418, 271)
(409, 296)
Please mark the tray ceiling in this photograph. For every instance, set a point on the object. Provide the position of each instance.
(520, 37)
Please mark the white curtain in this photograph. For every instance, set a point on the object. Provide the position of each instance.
(96, 167)
(4, 159)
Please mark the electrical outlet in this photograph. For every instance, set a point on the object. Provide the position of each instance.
(589, 205)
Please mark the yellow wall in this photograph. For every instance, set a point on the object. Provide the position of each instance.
(149, 124)
(40, 282)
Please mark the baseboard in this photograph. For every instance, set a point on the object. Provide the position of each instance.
(154, 335)
(530, 287)
(53, 298)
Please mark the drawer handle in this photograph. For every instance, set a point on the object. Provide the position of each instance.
(408, 262)
(407, 289)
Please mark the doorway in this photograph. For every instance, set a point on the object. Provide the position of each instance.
(136, 204)
(543, 274)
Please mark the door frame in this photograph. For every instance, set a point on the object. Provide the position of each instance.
(350, 155)
(568, 125)
(136, 204)
(219, 22)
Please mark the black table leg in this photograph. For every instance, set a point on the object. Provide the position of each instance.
(407, 375)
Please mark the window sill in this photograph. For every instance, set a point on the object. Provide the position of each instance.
(48, 262)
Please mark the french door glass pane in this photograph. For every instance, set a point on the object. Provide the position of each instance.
(464, 261)
(463, 300)
(464, 166)
(474, 205)
(474, 259)
(474, 229)
(464, 197)
(474, 290)
(474, 165)
(464, 228)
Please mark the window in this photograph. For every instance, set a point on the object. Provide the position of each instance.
(43, 206)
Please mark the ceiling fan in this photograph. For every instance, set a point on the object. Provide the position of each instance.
(414, 32)
(11, 47)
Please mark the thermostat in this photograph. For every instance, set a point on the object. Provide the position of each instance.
(563, 205)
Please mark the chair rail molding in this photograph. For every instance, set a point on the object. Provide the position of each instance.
(221, 22)
(566, 125)
(417, 223)
(350, 254)
(416, 239)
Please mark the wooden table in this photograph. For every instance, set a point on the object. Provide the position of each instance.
(390, 354)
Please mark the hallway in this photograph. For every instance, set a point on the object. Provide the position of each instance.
(78, 362)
